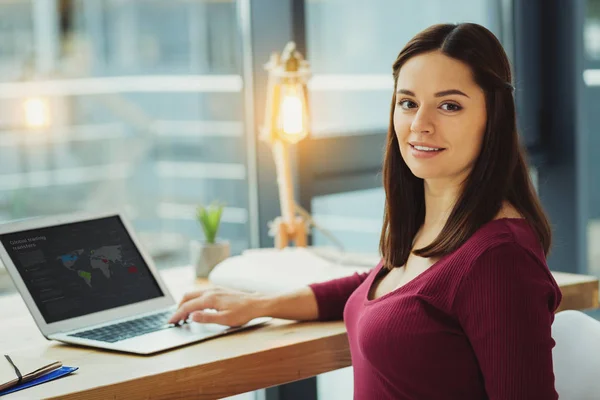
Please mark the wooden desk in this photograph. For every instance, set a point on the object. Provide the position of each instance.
(278, 353)
(275, 354)
(579, 291)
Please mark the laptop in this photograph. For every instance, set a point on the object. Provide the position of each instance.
(87, 281)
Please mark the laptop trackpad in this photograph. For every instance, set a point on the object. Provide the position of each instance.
(194, 328)
(168, 338)
(187, 333)
(202, 329)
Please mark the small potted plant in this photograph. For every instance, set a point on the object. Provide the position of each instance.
(207, 254)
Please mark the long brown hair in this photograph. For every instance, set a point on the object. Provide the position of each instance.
(499, 174)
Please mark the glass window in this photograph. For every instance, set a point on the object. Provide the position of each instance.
(591, 131)
(353, 218)
(352, 45)
(132, 105)
(591, 30)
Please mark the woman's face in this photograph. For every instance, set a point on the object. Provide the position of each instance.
(439, 117)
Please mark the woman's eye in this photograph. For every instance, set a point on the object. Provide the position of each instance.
(451, 107)
(407, 104)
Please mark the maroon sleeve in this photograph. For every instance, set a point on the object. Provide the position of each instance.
(332, 295)
(505, 305)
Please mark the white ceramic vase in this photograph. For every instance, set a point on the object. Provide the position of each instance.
(205, 256)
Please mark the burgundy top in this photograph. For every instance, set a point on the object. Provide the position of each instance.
(475, 325)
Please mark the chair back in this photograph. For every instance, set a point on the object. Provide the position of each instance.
(576, 356)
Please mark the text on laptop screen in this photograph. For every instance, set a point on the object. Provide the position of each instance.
(80, 268)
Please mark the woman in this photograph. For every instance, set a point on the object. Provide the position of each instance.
(462, 303)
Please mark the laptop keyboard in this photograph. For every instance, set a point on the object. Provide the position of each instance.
(125, 330)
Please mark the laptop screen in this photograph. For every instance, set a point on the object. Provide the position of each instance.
(80, 268)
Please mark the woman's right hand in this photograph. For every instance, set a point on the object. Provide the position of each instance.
(233, 308)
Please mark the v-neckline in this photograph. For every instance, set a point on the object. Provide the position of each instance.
(397, 289)
(420, 275)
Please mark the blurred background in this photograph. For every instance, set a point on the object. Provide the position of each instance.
(154, 106)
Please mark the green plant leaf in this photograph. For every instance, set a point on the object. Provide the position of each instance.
(209, 218)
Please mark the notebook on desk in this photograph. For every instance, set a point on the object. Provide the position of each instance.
(15, 370)
(272, 270)
(86, 281)
(18, 372)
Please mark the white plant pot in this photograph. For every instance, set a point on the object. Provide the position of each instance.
(205, 256)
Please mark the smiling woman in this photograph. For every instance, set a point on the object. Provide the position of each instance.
(453, 129)
(461, 304)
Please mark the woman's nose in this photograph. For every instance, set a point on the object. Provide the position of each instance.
(422, 122)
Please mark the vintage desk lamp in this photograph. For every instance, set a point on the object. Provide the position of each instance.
(286, 123)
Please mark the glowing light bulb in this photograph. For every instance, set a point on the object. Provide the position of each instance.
(292, 115)
(292, 112)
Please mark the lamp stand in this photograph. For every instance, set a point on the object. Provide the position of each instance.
(289, 227)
